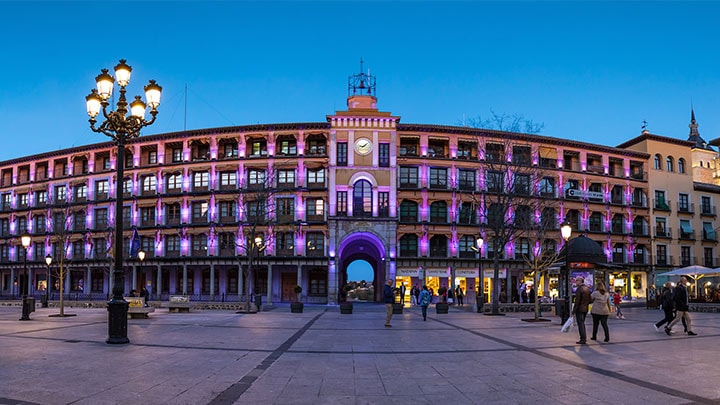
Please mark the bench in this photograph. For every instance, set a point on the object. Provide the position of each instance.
(179, 303)
(137, 308)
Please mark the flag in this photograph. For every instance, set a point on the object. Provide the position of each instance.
(134, 243)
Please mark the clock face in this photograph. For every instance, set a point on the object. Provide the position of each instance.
(363, 146)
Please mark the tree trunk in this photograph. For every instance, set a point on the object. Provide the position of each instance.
(496, 285)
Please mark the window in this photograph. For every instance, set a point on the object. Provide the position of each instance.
(383, 204)
(681, 165)
(285, 209)
(255, 211)
(686, 231)
(106, 163)
(284, 243)
(656, 163)
(230, 150)
(494, 152)
(493, 250)
(438, 177)
(315, 244)
(173, 183)
(660, 202)
(315, 209)
(523, 217)
(147, 216)
(685, 256)
(708, 231)
(408, 211)
(661, 228)
(177, 155)
(201, 180)
(639, 226)
(467, 214)
(199, 245)
(286, 178)
(342, 154)
(128, 160)
(256, 178)
(618, 253)
(521, 155)
(148, 185)
(438, 246)
(547, 187)
(172, 214)
(669, 164)
(409, 147)
(616, 226)
(384, 154)
(706, 205)
(199, 212)
(362, 199)
(617, 195)
(638, 197)
(228, 180)
(288, 146)
(522, 249)
(101, 189)
(495, 182)
(548, 219)
(126, 216)
(466, 180)
(22, 225)
(257, 147)
(127, 186)
(78, 220)
(466, 150)
(438, 212)
(80, 192)
(522, 184)
(316, 178)
(59, 195)
(40, 198)
(78, 252)
(661, 254)
(342, 203)
(708, 256)
(4, 227)
(39, 224)
(683, 202)
(101, 218)
(408, 176)
(227, 211)
(152, 157)
(467, 247)
(596, 222)
(317, 278)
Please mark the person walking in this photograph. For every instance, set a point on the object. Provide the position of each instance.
(600, 311)
(616, 302)
(413, 297)
(389, 299)
(417, 295)
(402, 293)
(580, 309)
(460, 296)
(424, 301)
(667, 304)
(682, 306)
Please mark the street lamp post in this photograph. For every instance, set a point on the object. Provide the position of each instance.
(479, 288)
(48, 261)
(121, 127)
(25, 240)
(566, 232)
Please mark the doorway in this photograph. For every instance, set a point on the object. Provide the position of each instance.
(360, 281)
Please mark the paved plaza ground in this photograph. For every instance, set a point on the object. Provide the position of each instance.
(323, 357)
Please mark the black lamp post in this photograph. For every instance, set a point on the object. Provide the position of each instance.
(25, 240)
(564, 304)
(479, 288)
(48, 261)
(121, 127)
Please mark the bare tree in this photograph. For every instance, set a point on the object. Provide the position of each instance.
(508, 203)
(543, 256)
(61, 220)
(505, 122)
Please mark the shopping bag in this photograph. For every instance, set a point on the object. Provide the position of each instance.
(567, 325)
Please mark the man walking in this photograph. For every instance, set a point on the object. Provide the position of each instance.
(389, 299)
(682, 306)
(580, 309)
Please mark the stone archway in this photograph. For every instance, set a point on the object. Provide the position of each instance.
(362, 246)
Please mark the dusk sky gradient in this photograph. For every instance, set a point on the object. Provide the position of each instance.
(589, 71)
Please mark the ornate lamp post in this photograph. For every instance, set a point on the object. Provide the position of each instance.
(121, 127)
(48, 261)
(566, 232)
(479, 288)
(25, 240)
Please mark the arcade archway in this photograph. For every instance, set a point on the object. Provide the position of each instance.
(362, 267)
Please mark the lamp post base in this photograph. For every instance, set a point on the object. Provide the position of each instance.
(25, 309)
(117, 322)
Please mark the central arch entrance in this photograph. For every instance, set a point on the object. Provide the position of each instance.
(362, 268)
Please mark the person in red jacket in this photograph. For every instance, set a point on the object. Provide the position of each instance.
(616, 302)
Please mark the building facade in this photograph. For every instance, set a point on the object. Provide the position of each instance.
(410, 200)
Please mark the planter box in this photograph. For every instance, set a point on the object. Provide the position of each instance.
(442, 307)
(296, 307)
(397, 309)
(346, 308)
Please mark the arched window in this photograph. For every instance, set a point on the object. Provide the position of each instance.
(409, 245)
(618, 254)
(467, 246)
(438, 246)
(408, 211)
(658, 159)
(596, 222)
(522, 249)
(438, 212)
(362, 199)
(681, 165)
(669, 164)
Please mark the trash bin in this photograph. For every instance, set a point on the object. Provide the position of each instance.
(480, 304)
(31, 304)
(258, 301)
(561, 309)
(44, 300)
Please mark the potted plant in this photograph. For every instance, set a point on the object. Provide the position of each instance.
(346, 307)
(296, 307)
(442, 306)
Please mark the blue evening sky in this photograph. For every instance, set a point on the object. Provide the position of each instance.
(590, 71)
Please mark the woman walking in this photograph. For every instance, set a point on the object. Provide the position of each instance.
(424, 299)
(600, 311)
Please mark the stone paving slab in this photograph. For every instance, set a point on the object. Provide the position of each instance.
(324, 357)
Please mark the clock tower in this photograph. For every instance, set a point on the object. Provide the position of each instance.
(362, 212)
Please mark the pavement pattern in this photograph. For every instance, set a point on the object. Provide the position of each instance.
(323, 357)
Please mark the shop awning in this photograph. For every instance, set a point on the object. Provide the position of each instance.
(547, 153)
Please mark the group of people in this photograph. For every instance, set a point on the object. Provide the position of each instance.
(674, 303)
(454, 296)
